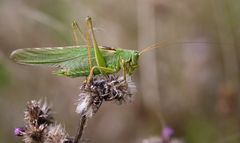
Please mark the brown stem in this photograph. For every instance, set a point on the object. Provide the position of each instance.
(80, 130)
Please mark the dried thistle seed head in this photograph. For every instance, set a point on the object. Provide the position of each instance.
(39, 127)
(35, 134)
(113, 88)
(102, 88)
(37, 118)
(57, 134)
(38, 113)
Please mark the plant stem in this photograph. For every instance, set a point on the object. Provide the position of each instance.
(80, 130)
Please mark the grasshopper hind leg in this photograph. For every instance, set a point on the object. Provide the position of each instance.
(78, 32)
(100, 61)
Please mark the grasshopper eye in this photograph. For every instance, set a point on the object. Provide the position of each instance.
(134, 59)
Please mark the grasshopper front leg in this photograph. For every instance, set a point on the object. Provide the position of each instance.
(107, 70)
(124, 68)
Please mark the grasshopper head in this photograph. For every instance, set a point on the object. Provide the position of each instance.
(129, 60)
(132, 63)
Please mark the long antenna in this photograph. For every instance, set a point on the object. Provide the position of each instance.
(156, 45)
(165, 44)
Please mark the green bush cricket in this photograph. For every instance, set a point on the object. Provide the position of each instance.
(85, 60)
(81, 60)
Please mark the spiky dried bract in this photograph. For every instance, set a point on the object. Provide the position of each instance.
(37, 117)
(85, 104)
(35, 134)
(102, 88)
(38, 113)
(112, 88)
(57, 134)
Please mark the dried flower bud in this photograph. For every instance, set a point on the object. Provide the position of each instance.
(39, 127)
(102, 88)
(35, 134)
(57, 134)
(37, 113)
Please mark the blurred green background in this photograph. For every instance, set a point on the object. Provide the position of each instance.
(192, 87)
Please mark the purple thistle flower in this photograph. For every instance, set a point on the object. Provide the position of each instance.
(20, 131)
(167, 133)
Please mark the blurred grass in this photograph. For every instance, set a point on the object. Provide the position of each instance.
(4, 76)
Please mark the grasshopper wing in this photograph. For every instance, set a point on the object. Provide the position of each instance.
(55, 55)
(71, 60)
